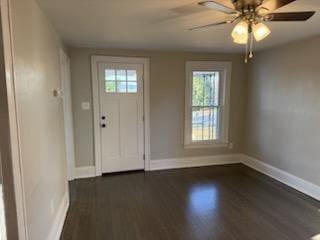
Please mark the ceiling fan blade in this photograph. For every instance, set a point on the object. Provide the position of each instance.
(213, 24)
(272, 5)
(288, 16)
(218, 7)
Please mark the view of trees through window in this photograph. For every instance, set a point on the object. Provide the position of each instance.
(205, 105)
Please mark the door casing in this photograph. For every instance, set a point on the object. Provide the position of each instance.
(14, 141)
(95, 60)
(65, 75)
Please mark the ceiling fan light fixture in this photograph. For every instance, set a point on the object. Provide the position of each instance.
(243, 40)
(240, 33)
(250, 15)
(260, 31)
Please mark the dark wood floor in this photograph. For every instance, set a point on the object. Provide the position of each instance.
(219, 203)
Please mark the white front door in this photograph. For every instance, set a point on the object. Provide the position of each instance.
(121, 116)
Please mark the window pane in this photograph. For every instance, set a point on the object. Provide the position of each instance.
(197, 124)
(132, 75)
(121, 87)
(110, 75)
(216, 87)
(110, 86)
(197, 90)
(121, 75)
(132, 87)
(204, 123)
(205, 88)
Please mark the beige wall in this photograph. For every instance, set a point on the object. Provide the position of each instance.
(6, 173)
(283, 113)
(40, 115)
(167, 86)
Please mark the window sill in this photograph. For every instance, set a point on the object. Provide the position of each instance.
(211, 145)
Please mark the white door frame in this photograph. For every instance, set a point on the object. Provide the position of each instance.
(67, 110)
(96, 106)
(20, 199)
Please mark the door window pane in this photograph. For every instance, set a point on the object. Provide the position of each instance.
(121, 87)
(110, 75)
(110, 86)
(132, 87)
(121, 81)
(132, 75)
(121, 75)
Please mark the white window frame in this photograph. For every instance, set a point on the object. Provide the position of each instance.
(224, 68)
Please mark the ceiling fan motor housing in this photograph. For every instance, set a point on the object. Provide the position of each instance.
(244, 5)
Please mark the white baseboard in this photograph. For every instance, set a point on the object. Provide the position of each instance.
(291, 180)
(187, 162)
(295, 182)
(85, 172)
(57, 226)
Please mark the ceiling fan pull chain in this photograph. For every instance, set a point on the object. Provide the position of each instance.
(247, 47)
(251, 46)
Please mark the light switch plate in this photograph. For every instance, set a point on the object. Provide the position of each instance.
(58, 93)
(85, 106)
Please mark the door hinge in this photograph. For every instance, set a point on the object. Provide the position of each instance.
(143, 118)
(144, 157)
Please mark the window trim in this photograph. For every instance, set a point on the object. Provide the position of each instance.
(225, 69)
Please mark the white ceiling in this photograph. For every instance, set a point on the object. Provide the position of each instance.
(162, 24)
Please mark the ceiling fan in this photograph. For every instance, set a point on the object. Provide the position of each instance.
(250, 15)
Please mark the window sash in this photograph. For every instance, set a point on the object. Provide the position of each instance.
(208, 126)
(205, 90)
(221, 106)
(214, 95)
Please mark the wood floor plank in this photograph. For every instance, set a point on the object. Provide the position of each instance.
(209, 203)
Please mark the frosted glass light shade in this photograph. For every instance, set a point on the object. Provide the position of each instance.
(243, 40)
(240, 33)
(260, 31)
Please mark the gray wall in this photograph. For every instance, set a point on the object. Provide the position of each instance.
(40, 116)
(167, 86)
(283, 112)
